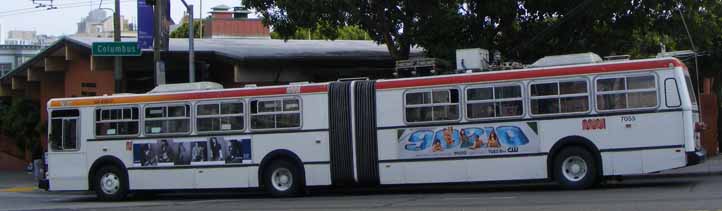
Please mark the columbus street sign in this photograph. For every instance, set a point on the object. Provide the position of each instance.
(116, 49)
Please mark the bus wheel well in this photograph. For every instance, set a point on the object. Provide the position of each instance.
(280, 154)
(573, 141)
(104, 161)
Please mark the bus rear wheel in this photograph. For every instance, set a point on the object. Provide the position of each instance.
(282, 179)
(575, 168)
(110, 184)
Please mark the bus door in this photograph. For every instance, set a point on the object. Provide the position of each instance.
(66, 160)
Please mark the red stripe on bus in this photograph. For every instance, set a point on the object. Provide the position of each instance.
(259, 92)
(498, 76)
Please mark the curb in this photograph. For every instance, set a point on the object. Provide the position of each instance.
(18, 189)
(673, 175)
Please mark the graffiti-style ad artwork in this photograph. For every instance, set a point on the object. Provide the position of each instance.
(196, 151)
(471, 140)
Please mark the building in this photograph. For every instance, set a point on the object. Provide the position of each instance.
(21, 37)
(226, 23)
(68, 69)
(13, 55)
(99, 24)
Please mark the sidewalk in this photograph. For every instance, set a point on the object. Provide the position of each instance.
(17, 181)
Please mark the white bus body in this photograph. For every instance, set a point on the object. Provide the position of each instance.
(577, 122)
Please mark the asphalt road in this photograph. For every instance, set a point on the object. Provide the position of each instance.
(658, 194)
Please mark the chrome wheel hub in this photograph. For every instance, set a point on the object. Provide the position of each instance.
(574, 168)
(282, 179)
(109, 183)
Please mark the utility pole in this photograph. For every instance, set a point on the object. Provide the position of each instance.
(157, 22)
(200, 28)
(118, 61)
(191, 35)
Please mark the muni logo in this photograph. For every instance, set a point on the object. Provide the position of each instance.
(594, 124)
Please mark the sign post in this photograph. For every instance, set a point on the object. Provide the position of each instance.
(116, 49)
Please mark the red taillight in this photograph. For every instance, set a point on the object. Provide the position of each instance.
(699, 126)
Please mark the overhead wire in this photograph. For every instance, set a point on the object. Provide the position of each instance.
(36, 7)
(59, 7)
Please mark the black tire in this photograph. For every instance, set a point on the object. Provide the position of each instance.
(283, 167)
(573, 178)
(119, 182)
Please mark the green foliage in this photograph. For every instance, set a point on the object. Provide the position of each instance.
(20, 120)
(182, 31)
(392, 22)
(522, 30)
(344, 33)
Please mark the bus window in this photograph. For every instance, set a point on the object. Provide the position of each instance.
(116, 121)
(219, 116)
(690, 89)
(167, 119)
(432, 105)
(275, 113)
(64, 130)
(499, 101)
(559, 97)
(626, 92)
(671, 91)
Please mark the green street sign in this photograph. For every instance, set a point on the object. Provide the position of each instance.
(116, 49)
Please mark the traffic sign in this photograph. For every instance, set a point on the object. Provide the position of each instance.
(116, 49)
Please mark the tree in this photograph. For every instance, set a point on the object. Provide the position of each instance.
(20, 120)
(344, 33)
(182, 30)
(391, 22)
(523, 30)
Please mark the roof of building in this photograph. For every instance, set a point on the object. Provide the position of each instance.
(221, 7)
(249, 49)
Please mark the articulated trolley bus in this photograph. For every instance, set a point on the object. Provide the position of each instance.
(574, 124)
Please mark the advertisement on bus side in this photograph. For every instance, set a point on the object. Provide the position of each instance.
(215, 150)
(469, 140)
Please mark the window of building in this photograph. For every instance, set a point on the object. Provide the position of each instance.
(494, 101)
(84, 93)
(116, 121)
(432, 105)
(88, 85)
(276, 113)
(570, 96)
(5, 68)
(626, 92)
(219, 116)
(167, 119)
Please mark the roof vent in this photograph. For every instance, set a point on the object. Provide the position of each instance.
(676, 54)
(354, 79)
(568, 59)
(617, 58)
(183, 87)
(298, 83)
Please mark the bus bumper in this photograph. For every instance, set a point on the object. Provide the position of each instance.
(694, 158)
(44, 184)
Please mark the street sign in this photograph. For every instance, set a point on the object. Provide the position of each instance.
(116, 49)
(145, 25)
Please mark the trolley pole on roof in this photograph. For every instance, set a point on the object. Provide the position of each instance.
(191, 35)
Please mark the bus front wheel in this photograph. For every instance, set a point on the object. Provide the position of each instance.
(282, 179)
(110, 184)
(575, 168)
